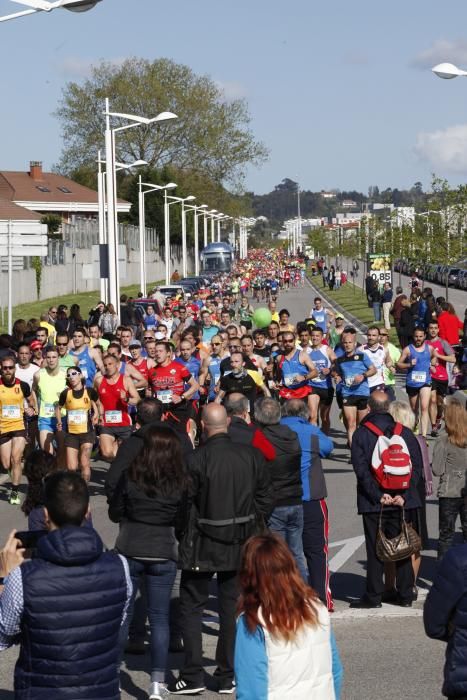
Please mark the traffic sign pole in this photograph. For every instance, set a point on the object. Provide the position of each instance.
(10, 277)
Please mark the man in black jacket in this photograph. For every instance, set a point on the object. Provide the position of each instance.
(230, 489)
(287, 517)
(371, 498)
(241, 429)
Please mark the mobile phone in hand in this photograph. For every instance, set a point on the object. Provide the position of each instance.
(30, 538)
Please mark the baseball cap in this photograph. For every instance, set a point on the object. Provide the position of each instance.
(339, 316)
(134, 344)
(36, 345)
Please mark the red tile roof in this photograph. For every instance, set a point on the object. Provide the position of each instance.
(10, 210)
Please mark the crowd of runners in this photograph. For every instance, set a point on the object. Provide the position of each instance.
(72, 387)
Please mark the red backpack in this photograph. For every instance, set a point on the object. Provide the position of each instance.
(390, 462)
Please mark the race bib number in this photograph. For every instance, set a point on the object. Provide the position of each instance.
(84, 372)
(419, 377)
(48, 410)
(165, 396)
(77, 417)
(289, 379)
(11, 412)
(350, 380)
(113, 417)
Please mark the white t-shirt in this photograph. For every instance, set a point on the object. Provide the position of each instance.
(26, 374)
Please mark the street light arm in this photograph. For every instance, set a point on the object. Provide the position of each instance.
(447, 71)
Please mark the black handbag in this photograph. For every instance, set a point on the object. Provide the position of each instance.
(406, 543)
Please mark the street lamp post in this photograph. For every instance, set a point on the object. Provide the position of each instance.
(112, 229)
(182, 201)
(195, 209)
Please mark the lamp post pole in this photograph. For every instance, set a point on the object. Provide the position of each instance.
(111, 232)
(142, 237)
(102, 232)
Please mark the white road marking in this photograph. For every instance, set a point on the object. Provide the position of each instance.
(349, 547)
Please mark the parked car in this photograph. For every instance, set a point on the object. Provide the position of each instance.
(461, 282)
(452, 275)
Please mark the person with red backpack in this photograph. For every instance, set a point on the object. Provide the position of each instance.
(388, 464)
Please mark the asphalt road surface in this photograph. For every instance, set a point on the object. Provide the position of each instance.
(385, 652)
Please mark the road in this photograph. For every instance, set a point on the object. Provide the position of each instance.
(457, 297)
(385, 652)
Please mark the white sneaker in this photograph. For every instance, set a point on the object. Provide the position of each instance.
(158, 691)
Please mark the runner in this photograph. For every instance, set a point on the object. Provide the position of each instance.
(379, 356)
(321, 316)
(395, 354)
(167, 382)
(293, 370)
(211, 368)
(242, 380)
(16, 401)
(116, 391)
(95, 334)
(48, 384)
(320, 400)
(418, 358)
(89, 359)
(439, 376)
(248, 350)
(188, 359)
(352, 370)
(128, 368)
(25, 371)
(82, 415)
(65, 359)
(141, 364)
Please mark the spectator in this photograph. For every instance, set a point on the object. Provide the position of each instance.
(386, 304)
(314, 445)
(445, 618)
(284, 647)
(370, 499)
(450, 464)
(109, 321)
(75, 320)
(406, 323)
(375, 299)
(287, 517)
(241, 428)
(58, 647)
(230, 489)
(149, 503)
(449, 324)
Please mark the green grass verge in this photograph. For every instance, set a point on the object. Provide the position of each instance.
(86, 301)
(351, 298)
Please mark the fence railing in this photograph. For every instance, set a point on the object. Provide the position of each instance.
(84, 233)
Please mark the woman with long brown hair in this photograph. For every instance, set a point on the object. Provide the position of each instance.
(150, 504)
(284, 646)
(450, 464)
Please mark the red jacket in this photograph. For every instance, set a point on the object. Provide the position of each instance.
(449, 327)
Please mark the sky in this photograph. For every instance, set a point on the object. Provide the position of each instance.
(342, 94)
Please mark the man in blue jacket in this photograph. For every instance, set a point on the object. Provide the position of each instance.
(371, 497)
(314, 445)
(445, 618)
(66, 605)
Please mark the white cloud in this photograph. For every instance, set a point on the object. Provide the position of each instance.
(232, 90)
(445, 149)
(441, 51)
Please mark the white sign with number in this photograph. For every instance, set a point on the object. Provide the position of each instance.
(382, 276)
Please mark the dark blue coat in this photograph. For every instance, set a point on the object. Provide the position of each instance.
(445, 618)
(74, 597)
(363, 443)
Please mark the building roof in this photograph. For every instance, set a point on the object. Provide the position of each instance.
(11, 211)
(44, 191)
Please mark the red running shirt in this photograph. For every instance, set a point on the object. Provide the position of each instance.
(115, 410)
(165, 381)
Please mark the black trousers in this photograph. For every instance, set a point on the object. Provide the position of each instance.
(194, 594)
(315, 548)
(375, 567)
(449, 509)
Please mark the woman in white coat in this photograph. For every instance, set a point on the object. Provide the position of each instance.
(284, 645)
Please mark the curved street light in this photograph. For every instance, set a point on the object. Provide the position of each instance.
(447, 71)
(45, 6)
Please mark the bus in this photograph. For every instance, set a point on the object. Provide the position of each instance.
(217, 257)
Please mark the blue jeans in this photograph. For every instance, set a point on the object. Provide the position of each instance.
(159, 578)
(377, 311)
(287, 521)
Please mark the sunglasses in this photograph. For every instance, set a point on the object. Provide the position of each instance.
(74, 373)
(213, 344)
(61, 345)
(8, 366)
(384, 335)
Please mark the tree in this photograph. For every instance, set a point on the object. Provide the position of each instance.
(211, 135)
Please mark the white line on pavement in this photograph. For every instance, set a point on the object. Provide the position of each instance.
(349, 547)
